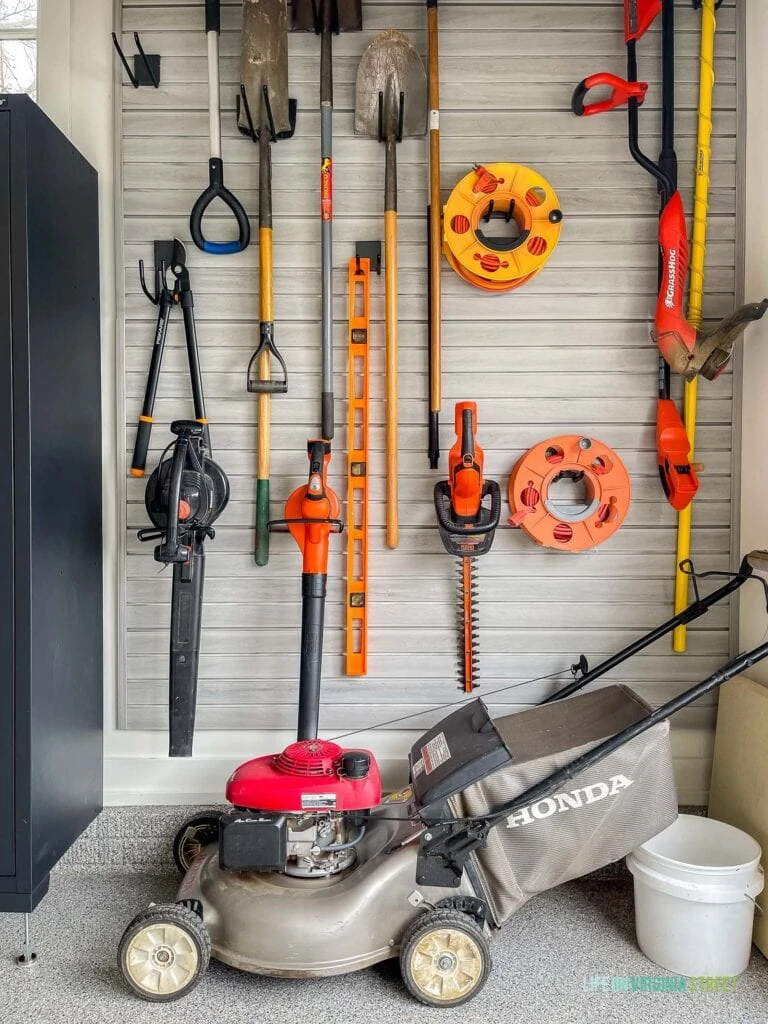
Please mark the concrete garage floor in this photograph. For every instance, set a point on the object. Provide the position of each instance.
(543, 960)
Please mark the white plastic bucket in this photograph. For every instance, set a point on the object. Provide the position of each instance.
(695, 885)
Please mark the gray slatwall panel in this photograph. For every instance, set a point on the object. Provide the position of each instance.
(568, 352)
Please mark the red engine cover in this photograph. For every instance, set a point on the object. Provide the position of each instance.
(306, 776)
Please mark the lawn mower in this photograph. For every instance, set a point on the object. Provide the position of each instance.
(311, 873)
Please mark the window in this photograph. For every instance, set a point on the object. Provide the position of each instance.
(18, 46)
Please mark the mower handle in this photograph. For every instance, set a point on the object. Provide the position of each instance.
(622, 92)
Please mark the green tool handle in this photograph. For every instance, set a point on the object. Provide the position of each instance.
(261, 552)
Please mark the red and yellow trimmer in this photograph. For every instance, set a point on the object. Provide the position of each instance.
(468, 511)
(311, 516)
(684, 347)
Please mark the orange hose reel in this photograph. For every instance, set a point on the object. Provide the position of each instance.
(500, 190)
(585, 524)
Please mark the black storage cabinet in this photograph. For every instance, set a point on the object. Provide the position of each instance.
(51, 668)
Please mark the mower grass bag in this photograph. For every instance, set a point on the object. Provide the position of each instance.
(597, 818)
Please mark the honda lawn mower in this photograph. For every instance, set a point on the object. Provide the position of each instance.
(310, 873)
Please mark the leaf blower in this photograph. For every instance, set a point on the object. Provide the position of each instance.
(468, 510)
(185, 495)
(311, 516)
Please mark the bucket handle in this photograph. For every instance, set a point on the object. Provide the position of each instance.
(753, 901)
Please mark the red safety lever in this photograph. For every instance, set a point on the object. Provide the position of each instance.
(622, 92)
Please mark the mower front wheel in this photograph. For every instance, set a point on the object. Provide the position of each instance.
(164, 952)
(193, 835)
(445, 958)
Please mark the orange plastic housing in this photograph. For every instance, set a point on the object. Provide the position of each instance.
(585, 525)
(357, 469)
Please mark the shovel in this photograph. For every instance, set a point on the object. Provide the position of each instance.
(390, 105)
(266, 114)
(326, 17)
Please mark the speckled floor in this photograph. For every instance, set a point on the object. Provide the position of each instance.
(543, 959)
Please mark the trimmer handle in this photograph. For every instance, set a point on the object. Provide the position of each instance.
(622, 92)
(218, 190)
(213, 16)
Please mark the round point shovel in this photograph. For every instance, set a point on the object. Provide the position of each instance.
(390, 105)
(266, 115)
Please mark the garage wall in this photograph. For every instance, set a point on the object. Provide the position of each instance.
(569, 352)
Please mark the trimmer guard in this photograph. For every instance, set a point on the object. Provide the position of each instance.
(600, 816)
(466, 537)
(711, 350)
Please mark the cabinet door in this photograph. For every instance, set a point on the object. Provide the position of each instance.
(7, 785)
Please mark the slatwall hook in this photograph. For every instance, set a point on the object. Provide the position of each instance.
(242, 100)
(146, 66)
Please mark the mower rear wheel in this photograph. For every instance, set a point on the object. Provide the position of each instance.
(164, 952)
(194, 834)
(445, 958)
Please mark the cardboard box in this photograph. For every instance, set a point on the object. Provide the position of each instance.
(739, 789)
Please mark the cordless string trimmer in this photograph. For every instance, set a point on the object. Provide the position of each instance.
(311, 516)
(686, 349)
(468, 511)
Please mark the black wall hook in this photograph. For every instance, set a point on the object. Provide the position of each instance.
(146, 66)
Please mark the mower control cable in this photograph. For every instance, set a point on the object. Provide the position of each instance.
(447, 845)
(700, 606)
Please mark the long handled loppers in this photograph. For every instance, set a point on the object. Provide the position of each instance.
(266, 114)
(391, 104)
(327, 18)
(170, 257)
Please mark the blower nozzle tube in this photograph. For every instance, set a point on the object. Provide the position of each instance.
(313, 591)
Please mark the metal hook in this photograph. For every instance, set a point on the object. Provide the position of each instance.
(250, 131)
(268, 109)
(146, 67)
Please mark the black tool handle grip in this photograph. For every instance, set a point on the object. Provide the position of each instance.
(213, 16)
(218, 190)
(141, 446)
(313, 590)
(186, 619)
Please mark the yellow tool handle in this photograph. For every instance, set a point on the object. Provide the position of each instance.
(266, 315)
(696, 285)
(390, 284)
(264, 402)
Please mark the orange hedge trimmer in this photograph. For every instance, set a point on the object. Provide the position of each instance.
(468, 511)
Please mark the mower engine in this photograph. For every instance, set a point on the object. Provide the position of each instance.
(302, 812)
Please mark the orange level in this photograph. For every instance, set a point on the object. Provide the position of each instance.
(357, 482)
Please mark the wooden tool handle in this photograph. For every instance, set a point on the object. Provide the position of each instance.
(390, 268)
(264, 402)
(435, 213)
